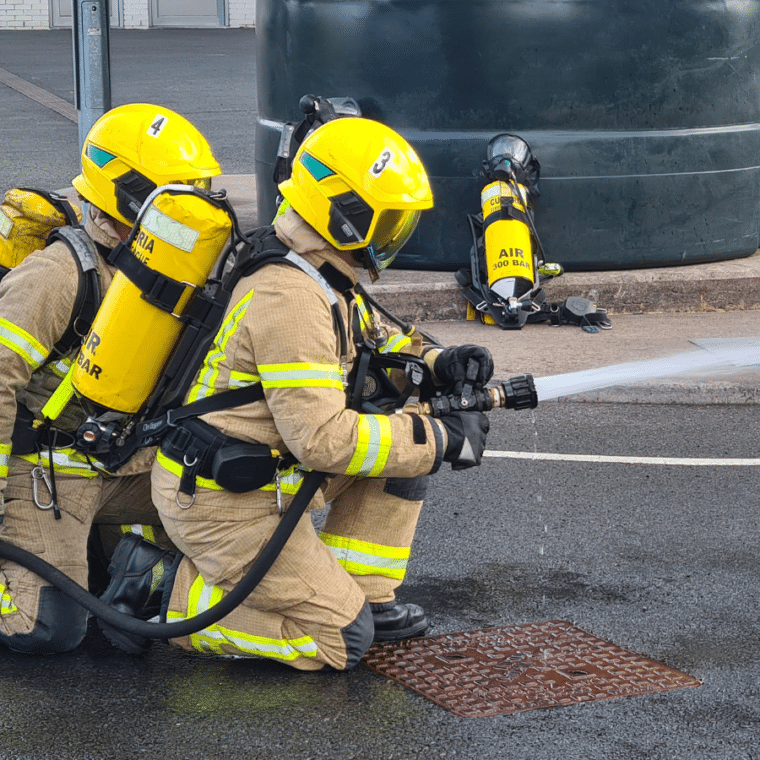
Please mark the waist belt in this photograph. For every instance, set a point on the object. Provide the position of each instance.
(235, 465)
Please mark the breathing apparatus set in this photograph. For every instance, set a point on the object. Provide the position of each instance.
(508, 267)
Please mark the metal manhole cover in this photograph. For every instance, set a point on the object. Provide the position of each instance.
(520, 667)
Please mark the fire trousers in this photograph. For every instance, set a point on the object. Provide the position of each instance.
(311, 609)
(36, 618)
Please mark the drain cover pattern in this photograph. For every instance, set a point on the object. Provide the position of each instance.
(522, 667)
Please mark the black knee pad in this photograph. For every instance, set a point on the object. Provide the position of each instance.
(410, 489)
(358, 637)
(61, 626)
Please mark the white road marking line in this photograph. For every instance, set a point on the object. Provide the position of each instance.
(605, 459)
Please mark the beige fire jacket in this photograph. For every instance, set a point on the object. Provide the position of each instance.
(279, 331)
(36, 304)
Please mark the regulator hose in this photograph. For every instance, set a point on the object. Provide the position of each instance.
(229, 602)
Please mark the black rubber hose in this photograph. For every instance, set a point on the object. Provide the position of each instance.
(229, 602)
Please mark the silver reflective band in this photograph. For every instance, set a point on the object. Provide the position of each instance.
(490, 192)
(6, 225)
(370, 560)
(169, 230)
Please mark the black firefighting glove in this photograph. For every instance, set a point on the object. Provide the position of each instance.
(467, 433)
(450, 366)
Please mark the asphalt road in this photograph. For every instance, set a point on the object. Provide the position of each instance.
(660, 560)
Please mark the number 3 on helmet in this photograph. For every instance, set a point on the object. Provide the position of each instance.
(361, 186)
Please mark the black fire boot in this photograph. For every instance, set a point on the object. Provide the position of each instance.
(140, 573)
(396, 620)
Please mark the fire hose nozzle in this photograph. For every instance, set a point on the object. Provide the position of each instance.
(517, 393)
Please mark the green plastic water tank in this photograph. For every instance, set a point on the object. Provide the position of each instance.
(645, 116)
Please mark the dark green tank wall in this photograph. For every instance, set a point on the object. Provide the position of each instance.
(643, 115)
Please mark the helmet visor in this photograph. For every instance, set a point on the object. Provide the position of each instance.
(202, 183)
(392, 231)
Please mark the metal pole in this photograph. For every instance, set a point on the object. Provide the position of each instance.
(92, 61)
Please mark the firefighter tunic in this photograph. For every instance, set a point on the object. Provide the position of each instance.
(279, 331)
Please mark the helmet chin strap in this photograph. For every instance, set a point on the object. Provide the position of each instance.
(364, 258)
(360, 257)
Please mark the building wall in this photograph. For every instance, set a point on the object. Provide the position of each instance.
(24, 14)
(136, 14)
(36, 14)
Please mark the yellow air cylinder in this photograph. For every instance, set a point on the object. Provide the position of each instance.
(509, 250)
(131, 340)
(26, 219)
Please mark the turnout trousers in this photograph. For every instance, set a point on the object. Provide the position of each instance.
(36, 618)
(311, 609)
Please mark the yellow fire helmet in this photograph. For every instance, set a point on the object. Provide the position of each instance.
(135, 148)
(361, 186)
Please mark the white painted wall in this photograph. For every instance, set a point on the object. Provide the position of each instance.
(36, 14)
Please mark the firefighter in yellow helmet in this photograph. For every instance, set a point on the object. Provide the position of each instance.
(50, 494)
(355, 195)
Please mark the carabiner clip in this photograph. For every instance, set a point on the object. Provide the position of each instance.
(187, 482)
(39, 474)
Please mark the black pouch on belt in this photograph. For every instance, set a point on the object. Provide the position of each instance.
(241, 467)
(24, 437)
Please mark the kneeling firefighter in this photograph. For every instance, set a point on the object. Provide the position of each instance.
(298, 335)
(50, 492)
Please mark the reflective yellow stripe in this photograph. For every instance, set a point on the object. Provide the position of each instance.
(5, 458)
(65, 462)
(209, 373)
(23, 343)
(176, 469)
(202, 597)
(243, 379)
(395, 344)
(372, 447)
(6, 602)
(60, 368)
(361, 307)
(363, 558)
(301, 375)
(146, 531)
(290, 481)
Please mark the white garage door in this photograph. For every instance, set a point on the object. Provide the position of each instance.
(187, 12)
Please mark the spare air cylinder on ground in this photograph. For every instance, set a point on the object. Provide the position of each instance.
(510, 262)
